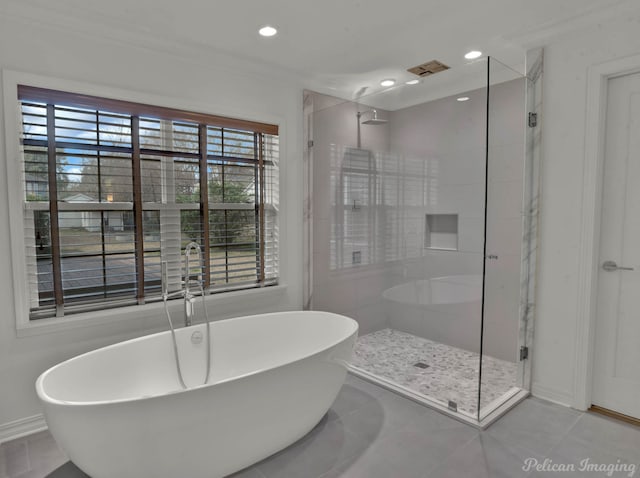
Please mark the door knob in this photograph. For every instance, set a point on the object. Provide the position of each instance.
(612, 266)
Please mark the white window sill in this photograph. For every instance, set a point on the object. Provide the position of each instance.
(225, 304)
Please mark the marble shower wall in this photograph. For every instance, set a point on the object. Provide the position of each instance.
(533, 164)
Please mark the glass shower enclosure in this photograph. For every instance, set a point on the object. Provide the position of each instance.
(416, 227)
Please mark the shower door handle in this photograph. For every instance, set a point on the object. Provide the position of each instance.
(610, 266)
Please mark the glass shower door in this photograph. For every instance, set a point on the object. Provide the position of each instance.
(505, 277)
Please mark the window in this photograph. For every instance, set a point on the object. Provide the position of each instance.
(112, 189)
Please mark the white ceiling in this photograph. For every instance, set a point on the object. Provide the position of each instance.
(334, 46)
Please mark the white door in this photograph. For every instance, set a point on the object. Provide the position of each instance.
(616, 379)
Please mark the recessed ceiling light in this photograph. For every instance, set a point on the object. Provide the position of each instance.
(267, 31)
(412, 82)
(388, 82)
(463, 98)
(472, 55)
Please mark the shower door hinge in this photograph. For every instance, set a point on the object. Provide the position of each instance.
(533, 120)
(524, 353)
(310, 143)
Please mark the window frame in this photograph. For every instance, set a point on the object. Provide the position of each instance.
(16, 203)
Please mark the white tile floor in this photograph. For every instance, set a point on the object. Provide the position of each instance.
(451, 373)
(372, 433)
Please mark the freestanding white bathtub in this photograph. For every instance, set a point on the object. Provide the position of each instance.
(119, 411)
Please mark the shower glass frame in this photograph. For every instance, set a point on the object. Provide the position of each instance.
(363, 203)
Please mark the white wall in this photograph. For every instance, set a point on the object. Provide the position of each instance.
(567, 60)
(205, 81)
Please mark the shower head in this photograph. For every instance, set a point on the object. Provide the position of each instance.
(374, 120)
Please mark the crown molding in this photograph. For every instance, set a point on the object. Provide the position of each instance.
(543, 34)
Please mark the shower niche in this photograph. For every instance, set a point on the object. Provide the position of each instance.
(419, 225)
(441, 232)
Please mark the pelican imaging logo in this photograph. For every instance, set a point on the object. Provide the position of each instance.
(586, 466)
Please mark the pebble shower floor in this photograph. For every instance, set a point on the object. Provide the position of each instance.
(438, 371)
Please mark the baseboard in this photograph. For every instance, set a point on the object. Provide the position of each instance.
(551, 395)
(22, 427)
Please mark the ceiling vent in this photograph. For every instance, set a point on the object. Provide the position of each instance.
(429, 68)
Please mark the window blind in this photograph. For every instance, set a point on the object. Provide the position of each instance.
(112, 189)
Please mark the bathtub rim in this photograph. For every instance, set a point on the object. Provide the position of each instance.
(43, 396)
